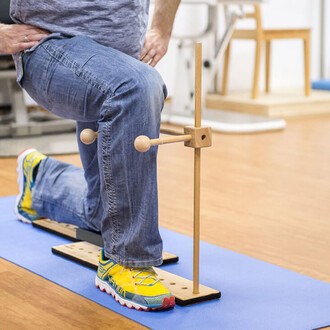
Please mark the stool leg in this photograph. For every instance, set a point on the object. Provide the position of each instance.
(225, 71)
(307, 65)
(267, 69)
(255, 90)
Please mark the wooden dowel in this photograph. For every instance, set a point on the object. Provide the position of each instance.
(170, 131)
(197, 165)
(198, 84)
(142, 143)
(88, 136)
(197, 187)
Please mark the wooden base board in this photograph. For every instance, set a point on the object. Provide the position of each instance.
(87, 254)
(58, 228)
(77, 234)
(83, 253)
(287, 103)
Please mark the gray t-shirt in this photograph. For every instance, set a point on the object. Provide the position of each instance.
(120, 24)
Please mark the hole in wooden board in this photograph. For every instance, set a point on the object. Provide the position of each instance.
(184, 288)
(203, 137)
(90, 252)
(172, 283)
(161, 279)
(81, 248)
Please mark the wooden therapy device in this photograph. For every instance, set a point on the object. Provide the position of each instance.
(196, 137)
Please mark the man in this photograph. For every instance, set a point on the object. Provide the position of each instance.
(91, 68)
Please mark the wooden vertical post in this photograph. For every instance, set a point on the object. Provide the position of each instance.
(197, 164)
(267, 69)
(307, 65)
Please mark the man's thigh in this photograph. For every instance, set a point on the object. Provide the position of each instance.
(72, 77)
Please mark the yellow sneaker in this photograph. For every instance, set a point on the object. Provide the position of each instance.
(27, 160)
(132, 287)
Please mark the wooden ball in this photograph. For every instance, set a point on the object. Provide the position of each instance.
(142, 143)
(88, 136)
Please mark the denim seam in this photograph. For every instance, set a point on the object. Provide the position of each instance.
(110, 191)
(78, 70)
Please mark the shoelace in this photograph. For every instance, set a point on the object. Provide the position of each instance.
(142, 278)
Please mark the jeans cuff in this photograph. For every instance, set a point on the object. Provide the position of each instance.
(134, 263)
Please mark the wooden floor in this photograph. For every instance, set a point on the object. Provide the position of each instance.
(264, 195)
(29, 301)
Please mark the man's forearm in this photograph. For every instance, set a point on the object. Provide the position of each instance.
(164, 14)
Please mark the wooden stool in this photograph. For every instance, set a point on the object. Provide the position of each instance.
(261, 35)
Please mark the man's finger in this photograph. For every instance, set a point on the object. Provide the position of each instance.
(143, 53)
(23, 45)
(38, 31)
(145, 49)
(155, 60)
(149, 56)
(33, 28)
(34, 37)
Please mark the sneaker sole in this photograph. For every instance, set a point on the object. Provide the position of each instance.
(105, 287)
(20, 181)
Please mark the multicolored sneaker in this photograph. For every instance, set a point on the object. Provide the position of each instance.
(132, 287)
(27, 160)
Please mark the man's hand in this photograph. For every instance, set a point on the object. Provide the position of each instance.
(154, 48)
(17, 37)
(157, 38)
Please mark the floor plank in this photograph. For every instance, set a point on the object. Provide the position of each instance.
(29, 301)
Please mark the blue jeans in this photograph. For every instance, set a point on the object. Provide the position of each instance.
(121, 98)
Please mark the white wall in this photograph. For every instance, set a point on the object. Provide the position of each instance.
(327, 40)
(287, 66)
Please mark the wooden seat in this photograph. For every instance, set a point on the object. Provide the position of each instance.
(261, 35)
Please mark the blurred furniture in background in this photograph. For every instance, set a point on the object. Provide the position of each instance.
(180, 109)
(261, 35)
(15, 119)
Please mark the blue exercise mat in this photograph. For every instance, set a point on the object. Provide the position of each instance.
(255, 294)
(323, 84)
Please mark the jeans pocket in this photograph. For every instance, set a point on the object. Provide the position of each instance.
(35, 66)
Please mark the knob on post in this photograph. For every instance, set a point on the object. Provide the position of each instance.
(142, 143)
(88, 136)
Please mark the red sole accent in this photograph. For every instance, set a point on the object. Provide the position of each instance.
(23, 151)
(167, 303)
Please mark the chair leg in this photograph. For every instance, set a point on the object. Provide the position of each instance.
(267, 69)
(307, 65)
(255, 90)
(225, 71)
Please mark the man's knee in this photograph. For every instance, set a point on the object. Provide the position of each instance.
(148, 87)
